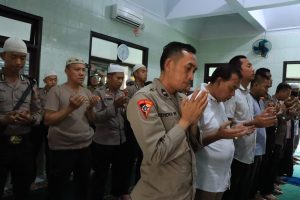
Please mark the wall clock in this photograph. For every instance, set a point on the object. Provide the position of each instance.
(123, 52)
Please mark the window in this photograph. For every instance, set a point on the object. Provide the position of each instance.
(104, 50)
(209, 69)
(28, 27)
(15, 28)
(291, 72)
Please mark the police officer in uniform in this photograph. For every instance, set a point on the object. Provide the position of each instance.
(160, 118)
(50, 80)
(16, 150)
(139, 73)
(109, 146)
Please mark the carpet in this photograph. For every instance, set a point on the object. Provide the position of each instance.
(292, 180)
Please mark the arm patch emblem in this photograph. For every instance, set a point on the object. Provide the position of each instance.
(145, 106)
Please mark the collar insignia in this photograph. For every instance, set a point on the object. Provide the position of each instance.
(164, 92)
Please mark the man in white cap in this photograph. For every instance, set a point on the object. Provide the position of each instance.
(139, 73)
(109, 146)
(68, 114)
(50, 80)
(20, 109)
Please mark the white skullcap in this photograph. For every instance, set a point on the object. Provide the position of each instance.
(294, 86)
(115, 68)
(74, 60)
(50, 73)
(15, 45)
(137, 66)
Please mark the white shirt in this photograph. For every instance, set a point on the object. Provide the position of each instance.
(261, 136)
(213, 161)
(240, 109)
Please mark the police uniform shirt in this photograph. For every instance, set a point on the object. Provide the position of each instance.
(281, 127)
(214, 160)
(92, 88)
(43, 96)
(109, 120)
(240, 109)
(10, 93)
(168, 166)
(132, 89)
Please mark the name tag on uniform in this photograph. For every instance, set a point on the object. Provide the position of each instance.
(108, 99)
(169, 114)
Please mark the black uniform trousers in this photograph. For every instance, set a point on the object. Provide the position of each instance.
(240, 176)
(287, 161)
(255, 176)
(61, 164)
(135, 152)
(16, 159)
(267, 172)
(116, 158)
(38, 137)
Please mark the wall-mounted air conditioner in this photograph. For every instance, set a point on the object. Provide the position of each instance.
(127, 15)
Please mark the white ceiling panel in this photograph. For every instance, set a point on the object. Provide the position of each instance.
(282, 17)
(208, 19)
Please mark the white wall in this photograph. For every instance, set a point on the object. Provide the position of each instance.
(67, 25)
(285, 47)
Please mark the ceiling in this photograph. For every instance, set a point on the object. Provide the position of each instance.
(212, 19)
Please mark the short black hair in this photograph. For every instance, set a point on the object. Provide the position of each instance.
(259, 79)
(225, 72)
(174, 48)
(236, 61)
(283, 86)
(263, 72)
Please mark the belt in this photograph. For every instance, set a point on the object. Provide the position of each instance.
(15, 139)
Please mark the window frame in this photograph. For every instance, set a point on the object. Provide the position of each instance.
(207, 66)
(285, 65)
(34, 45)
(119, 42)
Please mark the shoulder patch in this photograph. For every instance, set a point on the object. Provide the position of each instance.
(145, 106)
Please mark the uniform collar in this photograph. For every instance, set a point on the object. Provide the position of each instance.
(3, 78)
(108, 90)
(137, 85)
(254, 97)
(163, 92)
(209, 96)
(242, 89)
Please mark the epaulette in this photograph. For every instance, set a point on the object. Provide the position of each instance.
(23, 77)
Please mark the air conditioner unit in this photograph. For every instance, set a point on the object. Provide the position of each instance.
(127, 15)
